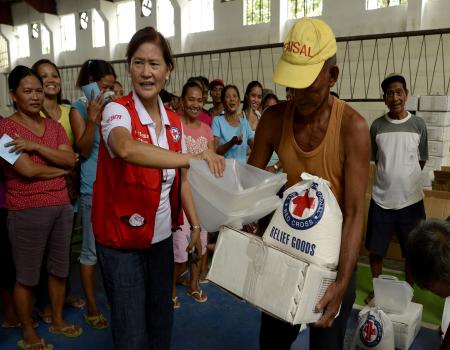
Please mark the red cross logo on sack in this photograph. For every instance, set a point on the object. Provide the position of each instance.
(303, 202)
(371, 331)
(303, 210)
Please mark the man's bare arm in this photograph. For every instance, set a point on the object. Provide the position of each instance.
(356, 143)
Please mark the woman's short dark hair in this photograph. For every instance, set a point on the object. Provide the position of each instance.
(16, 76)
(150, 35)
(226, 88)
(189, 85)
(35, 68)
(94, 70)
(267, 97)
(429, 252)
(249, 88)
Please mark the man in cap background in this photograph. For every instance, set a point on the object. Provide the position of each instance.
(320, 134)
(400, 150)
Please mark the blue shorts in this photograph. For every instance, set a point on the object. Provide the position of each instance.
(382, 223)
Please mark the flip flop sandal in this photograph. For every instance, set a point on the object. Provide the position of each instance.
(96, 322)
(75, 302)
(176, 302)
(35, 324)
(198, 296)
(70, 331)
(41, 344)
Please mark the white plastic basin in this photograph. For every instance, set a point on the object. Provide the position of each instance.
(392, 295)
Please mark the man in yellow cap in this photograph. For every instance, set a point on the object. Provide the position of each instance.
(320, 134)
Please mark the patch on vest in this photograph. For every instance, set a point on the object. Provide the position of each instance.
(136, 220)
(175, 132)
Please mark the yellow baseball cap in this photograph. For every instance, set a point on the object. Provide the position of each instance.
(309, 43)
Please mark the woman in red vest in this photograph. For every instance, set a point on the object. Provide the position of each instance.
(137, 198)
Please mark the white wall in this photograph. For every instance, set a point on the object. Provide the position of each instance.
(346, 17)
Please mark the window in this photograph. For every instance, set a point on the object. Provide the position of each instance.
(68, 36)
(256, 11)
(165, 18)
(201, 15)
(45, 40)
(126, 21)
(304, 8)
(22, 40)
(376, 4)
(98, 30)
(4, 61)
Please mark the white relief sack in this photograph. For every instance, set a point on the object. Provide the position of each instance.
(374, 331)
(308, 225)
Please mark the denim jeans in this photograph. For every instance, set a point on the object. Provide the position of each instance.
(138, 284)
(88, 255)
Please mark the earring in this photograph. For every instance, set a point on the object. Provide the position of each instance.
(167, 77)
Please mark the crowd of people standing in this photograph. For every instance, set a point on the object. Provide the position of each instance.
(121, 161)
(64, 155)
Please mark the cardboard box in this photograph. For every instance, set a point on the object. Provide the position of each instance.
(272, 281)
(406, 325)
(437, 206)
(412, 103)
(438, 133)
(439, 148)
(434, 103)
(435, 118)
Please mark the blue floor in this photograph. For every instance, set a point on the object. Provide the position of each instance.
(223, 322)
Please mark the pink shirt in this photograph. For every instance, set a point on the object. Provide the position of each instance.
(22, 193)
(197, 138)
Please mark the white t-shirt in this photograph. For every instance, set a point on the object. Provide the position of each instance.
(115, 115)
(397, 147)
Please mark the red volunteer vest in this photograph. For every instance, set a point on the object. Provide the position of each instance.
(126, 197)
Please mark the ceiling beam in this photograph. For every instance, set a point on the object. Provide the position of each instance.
(6, 14)
(43, 6)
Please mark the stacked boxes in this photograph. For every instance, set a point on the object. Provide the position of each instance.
(435, 111)
(441, 179)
